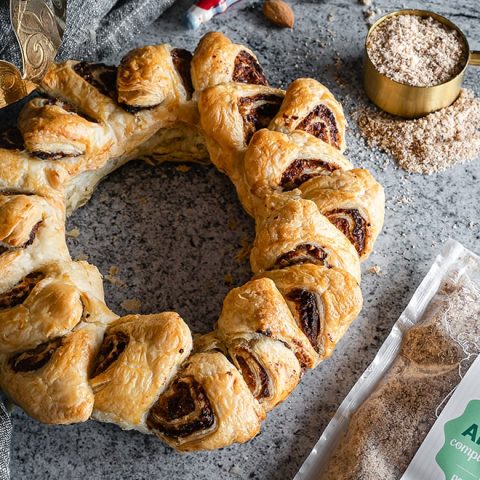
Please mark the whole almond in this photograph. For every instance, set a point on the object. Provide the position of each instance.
(279, 13)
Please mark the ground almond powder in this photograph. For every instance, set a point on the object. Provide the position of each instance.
(429, 144)
(417, 51)
(386, 431)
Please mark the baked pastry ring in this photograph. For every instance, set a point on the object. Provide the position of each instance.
(65, 357)
(353, 201)
(309, 106)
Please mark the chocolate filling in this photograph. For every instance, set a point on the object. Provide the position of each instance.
(112, 346)
(247, 70)
(53, 155)
(301, 170)
(102, 77)
(351, 223)
(182, 410)
(253, 372)
(257, 111)
(35, 358)
(182, 60)
(11, 139)
(31, 239)
(19, 293)
(303, 253)
(321, 123)
(308, 313)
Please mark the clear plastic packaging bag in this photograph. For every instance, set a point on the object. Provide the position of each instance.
(387, 415)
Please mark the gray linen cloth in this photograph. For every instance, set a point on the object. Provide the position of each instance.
(95, 29)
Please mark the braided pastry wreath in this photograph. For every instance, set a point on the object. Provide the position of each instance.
(65, 357)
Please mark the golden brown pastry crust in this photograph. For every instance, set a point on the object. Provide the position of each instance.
(49, 303)
(56, 392)
(20, 173)
(230, 114)
(225, 410)
(268, 366)
(277, 162)
(32, 233)
(217, 60)
(52, 130)
(53, 345)
(299, 233)
(324, 302)
(139, 356)
(258, 307)
(147, 76)
(310, 106)
(353, 201)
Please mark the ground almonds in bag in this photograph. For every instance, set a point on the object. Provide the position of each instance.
(386, 417)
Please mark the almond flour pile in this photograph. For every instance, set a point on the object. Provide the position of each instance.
(429, 144)
(417, 51)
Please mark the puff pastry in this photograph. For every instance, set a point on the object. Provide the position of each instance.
(32, 232)
(277, 162)
(138, 358)
(353, 201)
(65, 357)
(50, 381)
(217, 60)
(324, 301)
(230, 114)
(208, 405)
(268, 366)
(50, 302)
(310, 106)
(298, 233)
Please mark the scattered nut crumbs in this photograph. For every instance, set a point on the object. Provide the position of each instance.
(429, 144)
(73, 233)
(244, 252)
(131, 305)
(113, 278)
(417, 51)
(375, 269)
(232, 223)
(228, 279)
(183, 168)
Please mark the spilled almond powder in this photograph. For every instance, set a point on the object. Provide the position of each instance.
(428, 144)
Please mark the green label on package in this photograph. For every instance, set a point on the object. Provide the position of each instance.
(459, 457)
(451, 450)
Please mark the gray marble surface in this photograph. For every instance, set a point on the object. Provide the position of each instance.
(176, 236)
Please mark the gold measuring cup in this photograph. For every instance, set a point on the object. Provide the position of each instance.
(405, 100)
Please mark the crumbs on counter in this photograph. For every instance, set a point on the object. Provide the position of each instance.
(73, 233)
(183, 168)
(131, 305)
(375, 269)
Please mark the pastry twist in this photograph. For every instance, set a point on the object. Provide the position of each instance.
(65, 357)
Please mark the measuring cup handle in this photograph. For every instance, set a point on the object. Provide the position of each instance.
(474, 58)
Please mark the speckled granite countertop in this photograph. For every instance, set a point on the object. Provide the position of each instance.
(177, 238)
